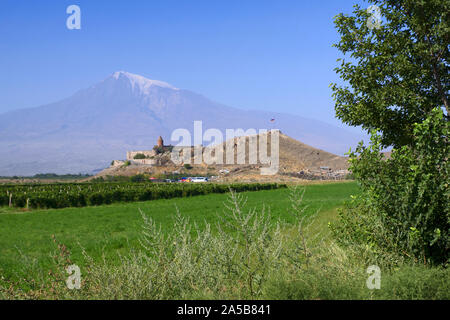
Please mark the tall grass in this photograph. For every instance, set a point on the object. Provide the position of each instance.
(248, 257)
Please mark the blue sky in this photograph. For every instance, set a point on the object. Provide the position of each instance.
(266, 55)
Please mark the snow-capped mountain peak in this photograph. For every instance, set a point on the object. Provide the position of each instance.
(140, 82)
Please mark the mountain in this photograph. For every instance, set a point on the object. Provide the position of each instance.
(84, 132)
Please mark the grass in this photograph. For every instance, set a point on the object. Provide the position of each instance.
(249, 255)
(111, 229)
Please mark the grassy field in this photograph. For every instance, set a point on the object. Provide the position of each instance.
(112, 229)
(248, 257)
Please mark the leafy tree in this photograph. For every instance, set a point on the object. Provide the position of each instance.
(394, 75)
(396, 83)
(403, 207)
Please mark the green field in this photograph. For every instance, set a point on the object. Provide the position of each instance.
(65, 195)
(261, 259)
(114, 228)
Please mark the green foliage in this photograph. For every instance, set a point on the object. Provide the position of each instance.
(98, 193)
(158, 149)
(325, 281)
(187, 262)
(108, 179)
(44, 176)
(403, 209)
(250, 256)
(126, 163)
(187, 166)
(397, 74)
(416, 281)
(50, 176)
(139, 156)
(138, 178)
(162, 149)
(115, 228)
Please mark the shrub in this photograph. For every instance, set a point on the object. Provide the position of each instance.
(139, 156)
(187, 166)
(407, 282)
(126, 163)
(138, 178)
(403, 208)
(158, 150)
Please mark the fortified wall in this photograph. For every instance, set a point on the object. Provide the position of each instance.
(150, 155)
(146, 153)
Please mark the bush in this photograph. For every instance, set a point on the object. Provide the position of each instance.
(158, 150)
(408, 282)
(403, 209)
(187, 166)
(412, 282)
(126, 163)
(138, 178)
(139, 156)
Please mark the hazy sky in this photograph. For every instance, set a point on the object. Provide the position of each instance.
(266, 55)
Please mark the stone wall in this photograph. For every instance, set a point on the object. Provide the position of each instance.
(151, 162)
(147, 153)
(116, 163)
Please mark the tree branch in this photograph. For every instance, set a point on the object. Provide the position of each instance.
(439, 87)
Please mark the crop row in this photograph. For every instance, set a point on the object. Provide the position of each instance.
(92, 194)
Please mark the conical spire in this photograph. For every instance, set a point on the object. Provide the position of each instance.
(160, 142)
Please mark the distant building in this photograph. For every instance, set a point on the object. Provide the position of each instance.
(160, 142)
(150, 155)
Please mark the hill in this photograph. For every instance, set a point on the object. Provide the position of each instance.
(296, 160)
